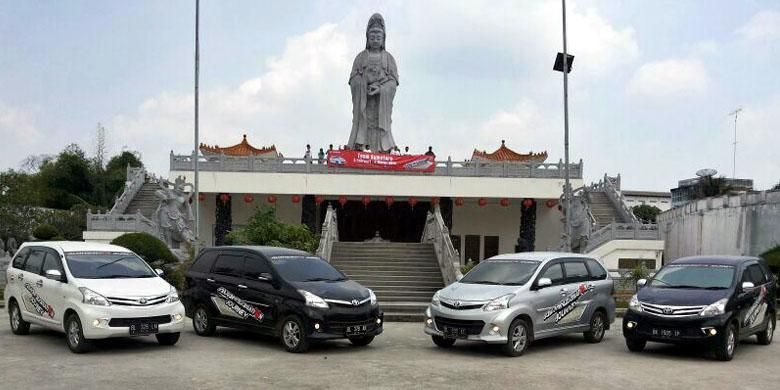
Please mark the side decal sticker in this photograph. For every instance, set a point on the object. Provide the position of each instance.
(757, 311)
(39, 305)
(568, 303)
(237, 307)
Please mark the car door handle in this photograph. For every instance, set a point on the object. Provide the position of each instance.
(241, 286)
(39, 283)
(210, 280)
(564, 291)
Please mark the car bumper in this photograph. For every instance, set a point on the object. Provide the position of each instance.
(333, 323)
(113, 321)
(689, 329)
(479, 325)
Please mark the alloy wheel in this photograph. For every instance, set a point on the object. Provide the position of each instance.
(519, 338)
(291, 334)
(16, 317)
(730, 341)
(201, 321)
(598, 327)
(770, 330)
(73, 333)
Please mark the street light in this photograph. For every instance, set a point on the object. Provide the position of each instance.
(565, 61)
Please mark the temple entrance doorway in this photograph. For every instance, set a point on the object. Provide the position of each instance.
(399, 222)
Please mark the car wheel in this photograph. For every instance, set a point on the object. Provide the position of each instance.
(361, 341)
(75, 335)
(443, 341)
(203, 322)
(293, 335)
(167, 338)
(18, 325)
(635, 344)
(727, 343)
(765, 337)
(518, 339)
(598, 326)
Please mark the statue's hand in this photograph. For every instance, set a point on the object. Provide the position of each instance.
(373, 89)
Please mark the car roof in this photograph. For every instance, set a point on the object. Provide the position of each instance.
(717, 260)
(539, 256)
(77, 246)
(267, 251)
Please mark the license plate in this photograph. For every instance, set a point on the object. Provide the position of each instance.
(143, 329)
(454, 332)
(666, 333)
(356, 330)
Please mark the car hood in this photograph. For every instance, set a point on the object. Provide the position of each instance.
(131, 287)
(476, 292)
(345, 290)
(680, 296)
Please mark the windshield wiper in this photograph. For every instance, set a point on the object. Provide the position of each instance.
(480, 282)
(115, 261)
(685, 286)
(323, 280)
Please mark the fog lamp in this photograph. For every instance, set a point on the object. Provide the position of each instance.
(177, 317)
(96, 322)
(429, 322)
(379, 321)
(316, 326)
(709, 331)
(495, 329)
(100, 322)
(631, 325)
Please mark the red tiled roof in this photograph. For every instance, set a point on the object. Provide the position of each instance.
(241, 149)
(505, 154)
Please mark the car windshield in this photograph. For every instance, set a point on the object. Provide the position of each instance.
(306, 269)
(107, 265)
(505, 272)
(698, 276)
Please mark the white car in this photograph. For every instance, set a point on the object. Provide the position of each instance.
(90, 291)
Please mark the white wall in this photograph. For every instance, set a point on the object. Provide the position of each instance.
(100, 236)
(549, 227)
(611, 252)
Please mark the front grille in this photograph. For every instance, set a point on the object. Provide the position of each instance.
(125, 322)
(136, 301)
(671, 311)
(462, 306)
(472, 327)
(341, 326)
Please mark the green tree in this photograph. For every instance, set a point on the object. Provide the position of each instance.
(646, 213)
(116, 171)
(18, 188)
(772, 258)
(65, 181)
(264, 229)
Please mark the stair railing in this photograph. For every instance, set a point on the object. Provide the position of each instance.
(329, 235)
(616, 197)
(136, 178)
(437, 233)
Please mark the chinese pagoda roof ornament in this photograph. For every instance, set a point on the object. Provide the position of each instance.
(241, 149)
(504, 154)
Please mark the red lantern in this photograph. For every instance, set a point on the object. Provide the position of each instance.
(296, 199)
(342, 200)
(482, 202)
(224, 198)
(412, 201)
(249, 198)
(201, 197)
(435, 201)
(504, 202)
(528, 202)
(550, 203)
(271, 199)
(366, 200)
(319, 199)
(389, 201)
(459, 202)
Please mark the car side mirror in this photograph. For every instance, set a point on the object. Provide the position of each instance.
(747, 286)
(159, 271)
(54, 274)
(544, 282)
(266, 277)
(641, 283)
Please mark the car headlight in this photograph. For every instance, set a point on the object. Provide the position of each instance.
(93, 298)
(313, 300)
(715, 309)
(634, 304)
(499, 303)
(435, 299)
(173, 296)
(372, 296)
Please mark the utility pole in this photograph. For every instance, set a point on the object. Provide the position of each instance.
(735, 113)
(567, 185)
(195, 158)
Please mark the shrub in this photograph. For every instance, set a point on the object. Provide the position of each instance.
(149, 247)
(468, 266)
(646, 213)
(772, 258)
(264, 229)
(45, 232)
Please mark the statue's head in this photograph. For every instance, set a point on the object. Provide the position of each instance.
(375, 33)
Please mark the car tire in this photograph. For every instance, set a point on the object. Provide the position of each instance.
(361, 341)
(292, 334)
(443, 342)
(18, 325)
(168, 338)
(765, 336)
(635, 344)
(598, 327)
(203, 322)
(74, 335)
(726, 344)
(518, 338)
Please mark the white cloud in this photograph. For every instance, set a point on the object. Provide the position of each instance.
(764, 25)
(669, 79)
(18, 134)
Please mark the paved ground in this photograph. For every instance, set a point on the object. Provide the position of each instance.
(403, 357)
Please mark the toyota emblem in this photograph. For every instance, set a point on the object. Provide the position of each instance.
(668, 310)
(355, 302)
(142, 301)
(457, 303)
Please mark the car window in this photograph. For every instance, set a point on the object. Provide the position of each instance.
(34, 261)
(756, 274)
(204, 262)
(20, 257)
(229, 264)
(107, 265)
(576, 272)
(597, 272)
(305, 269)
(512, 272)
(767, 271)
(254, 266)
(52, 261)
(555, 273)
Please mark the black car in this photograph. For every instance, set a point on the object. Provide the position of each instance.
(713, 300)
(281, 292)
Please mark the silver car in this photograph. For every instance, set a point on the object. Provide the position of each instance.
(514, 299)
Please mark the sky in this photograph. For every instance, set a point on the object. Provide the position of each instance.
(650, 92)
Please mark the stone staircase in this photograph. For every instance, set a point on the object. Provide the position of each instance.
(144, 200)
(404, 276)
(603, 210)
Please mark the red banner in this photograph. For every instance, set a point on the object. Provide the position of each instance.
(380, 161)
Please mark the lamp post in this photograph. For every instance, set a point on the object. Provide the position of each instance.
(197, 136)
(563, 63)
